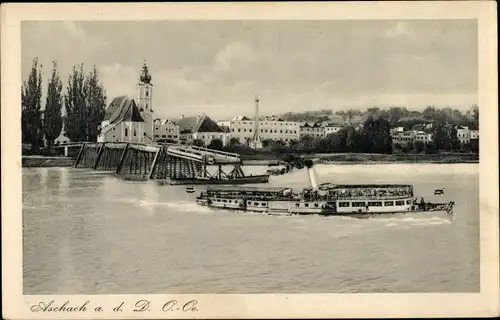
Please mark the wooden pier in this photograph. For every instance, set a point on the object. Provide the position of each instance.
(134, 161)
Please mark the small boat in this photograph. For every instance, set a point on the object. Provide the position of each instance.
(190, 190)
(439, 191)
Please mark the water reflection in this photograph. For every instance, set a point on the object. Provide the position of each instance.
(150, 197)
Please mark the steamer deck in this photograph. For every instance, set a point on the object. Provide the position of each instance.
(362, 200)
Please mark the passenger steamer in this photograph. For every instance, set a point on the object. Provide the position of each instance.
(324, 199)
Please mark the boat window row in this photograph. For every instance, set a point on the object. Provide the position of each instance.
(225, 201)
(358, 204)
(371, 192)
(313, 205)
(263, 204)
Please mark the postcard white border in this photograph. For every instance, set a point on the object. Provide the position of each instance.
(485, 303)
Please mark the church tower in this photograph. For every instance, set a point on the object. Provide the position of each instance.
(144, 102)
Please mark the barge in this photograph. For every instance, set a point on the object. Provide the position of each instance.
(215, 181)
(358, 200)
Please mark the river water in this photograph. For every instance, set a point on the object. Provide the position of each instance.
(87, 232)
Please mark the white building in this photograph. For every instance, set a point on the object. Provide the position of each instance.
(166, 130)
(126, 120)
(311, 129)
(145, 102)
(463, 134)
(474, 134)
(201, 128)
(272, 128)
(409, 136)
(330, 128)
(122, 122)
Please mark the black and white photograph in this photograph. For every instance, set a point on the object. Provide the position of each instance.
(251, 157)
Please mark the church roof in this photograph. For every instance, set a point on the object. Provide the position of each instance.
(198, 124)
(122, 109)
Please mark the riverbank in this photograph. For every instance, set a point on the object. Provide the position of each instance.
(46, 161)
(266, 159)
(353, 158)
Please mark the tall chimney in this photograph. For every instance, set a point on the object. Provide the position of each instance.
(312, 174)
(256, 117)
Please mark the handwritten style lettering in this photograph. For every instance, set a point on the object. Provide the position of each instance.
(53, 307)
(188, 306)
(142, 305)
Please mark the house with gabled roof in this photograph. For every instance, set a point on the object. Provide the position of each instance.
(122, 122)
(165, 130)
(312, 129)
(201, 128)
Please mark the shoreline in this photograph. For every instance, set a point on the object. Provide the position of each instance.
(263, 159)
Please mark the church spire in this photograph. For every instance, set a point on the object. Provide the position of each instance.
(145, 76)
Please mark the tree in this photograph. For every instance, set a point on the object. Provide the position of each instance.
(52, 123)
(376, 136)
(419, 146)
(396, 113)
(216, 144)
(440, 136)
(429, 113)
(31, 115)
(85, 102)
(198, 143)
(74, 100)
(233, 142)
(475, 113)
(95, 102)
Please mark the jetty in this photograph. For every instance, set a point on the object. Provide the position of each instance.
(167, 163)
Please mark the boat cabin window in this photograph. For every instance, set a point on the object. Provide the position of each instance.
(263, 203)
(375, 204)
(344, 204)
(389, 203)
(307, 204)
(408, 202)
(316, 205)
(297, 205)
(400, 203)
(224, 201)
(358, 204)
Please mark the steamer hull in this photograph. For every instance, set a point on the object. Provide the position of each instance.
(360, 200)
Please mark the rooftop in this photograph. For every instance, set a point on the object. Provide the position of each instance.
(122, 108)
(198, 124)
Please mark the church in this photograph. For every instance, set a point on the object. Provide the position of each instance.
(128, 120)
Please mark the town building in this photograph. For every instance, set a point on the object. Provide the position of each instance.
(401, 136)
(122, 122)
(126, 120)
(331, 128)
(474, 134)
(201, 128)
(269, 128)
(145, 102)
(463, 134)
(166, 130)
(311, 129)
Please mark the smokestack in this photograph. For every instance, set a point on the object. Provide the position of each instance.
(312, 174)
(256, 116)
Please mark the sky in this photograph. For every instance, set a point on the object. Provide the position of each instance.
(218, 67)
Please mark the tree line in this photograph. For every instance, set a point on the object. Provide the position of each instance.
(84, 99)
(397, 116)
(374, 136)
